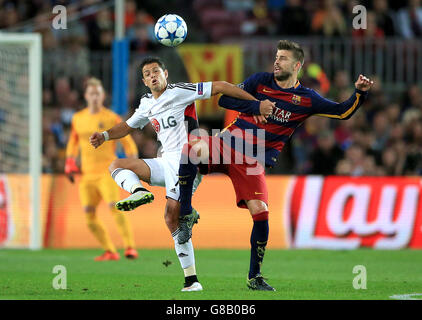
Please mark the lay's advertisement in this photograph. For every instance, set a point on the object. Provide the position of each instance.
(305, 212)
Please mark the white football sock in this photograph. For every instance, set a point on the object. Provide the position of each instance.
(126, 179)
(190, 271)
(185, 254)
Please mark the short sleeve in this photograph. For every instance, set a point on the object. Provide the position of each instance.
(251, 83)
(137, 120)
(187, 93)
(203, 90)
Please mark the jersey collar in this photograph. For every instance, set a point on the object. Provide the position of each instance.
(297, 84)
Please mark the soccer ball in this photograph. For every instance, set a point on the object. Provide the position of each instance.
(171, 30)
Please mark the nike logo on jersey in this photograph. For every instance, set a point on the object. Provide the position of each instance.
(269, 91)
(259, 192)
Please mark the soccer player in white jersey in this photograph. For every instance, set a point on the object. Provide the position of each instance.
(167, 107)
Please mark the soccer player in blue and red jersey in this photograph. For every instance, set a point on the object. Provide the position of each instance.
(269, 133)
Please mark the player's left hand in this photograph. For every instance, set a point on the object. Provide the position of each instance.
(260, 119)
(363, 83)
(266, 108)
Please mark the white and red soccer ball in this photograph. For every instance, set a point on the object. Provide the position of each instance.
(171, 30)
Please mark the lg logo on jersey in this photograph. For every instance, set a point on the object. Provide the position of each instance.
(169, 123)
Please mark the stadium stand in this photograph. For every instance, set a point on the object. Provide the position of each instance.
(384, 138)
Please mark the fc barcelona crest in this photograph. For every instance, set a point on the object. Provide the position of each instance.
(296, 99)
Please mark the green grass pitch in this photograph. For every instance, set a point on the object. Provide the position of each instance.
(296, 274)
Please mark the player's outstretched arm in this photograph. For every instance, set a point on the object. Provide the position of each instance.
(343, 110)
(120, 130)
(260, 109)
(240, 100)
(230, 90)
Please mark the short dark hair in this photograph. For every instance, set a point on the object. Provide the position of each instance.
(295, 47)
(149, 60)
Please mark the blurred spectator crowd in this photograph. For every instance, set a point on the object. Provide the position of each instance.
(383, 138)
(237, 18)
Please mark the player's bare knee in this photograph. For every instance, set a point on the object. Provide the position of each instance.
(201, 151)
(257, 207)
(194, 142)
(198, 151)
(114, 165)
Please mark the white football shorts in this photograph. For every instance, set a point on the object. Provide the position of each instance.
(165, 173)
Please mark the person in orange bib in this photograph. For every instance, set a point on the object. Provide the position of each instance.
(96, 183)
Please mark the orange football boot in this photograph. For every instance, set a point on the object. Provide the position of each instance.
(131, 253)
(108, 256)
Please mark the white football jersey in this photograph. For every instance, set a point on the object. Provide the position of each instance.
(167, 113)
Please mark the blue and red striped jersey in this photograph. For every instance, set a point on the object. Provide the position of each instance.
(293, 106)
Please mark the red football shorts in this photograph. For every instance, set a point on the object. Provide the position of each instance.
(247, 174)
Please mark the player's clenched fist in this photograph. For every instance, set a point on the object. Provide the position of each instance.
(363, 83)
(266, 107)
(97, 139)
